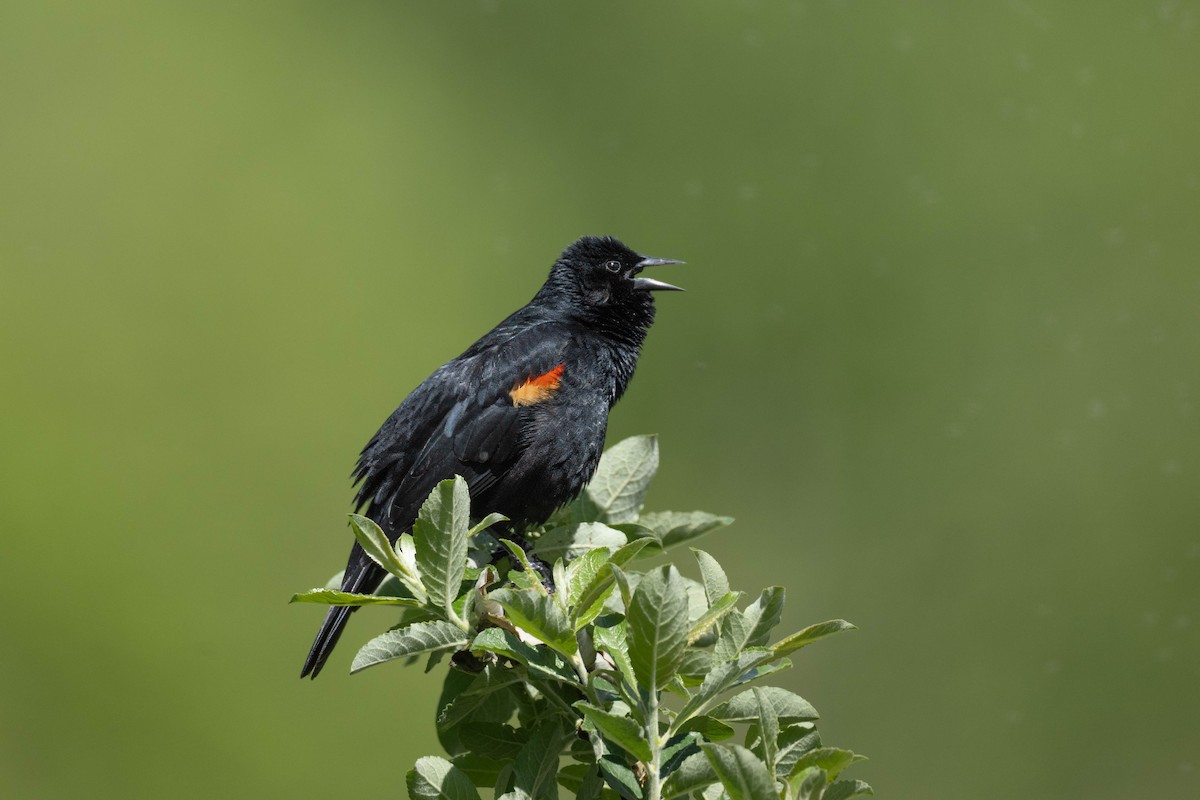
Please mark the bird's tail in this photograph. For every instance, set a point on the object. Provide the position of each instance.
(363, 575)
(327, 637)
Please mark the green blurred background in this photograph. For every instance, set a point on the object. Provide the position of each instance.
(938, 356)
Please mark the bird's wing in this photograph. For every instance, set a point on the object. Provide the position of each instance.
(466, 419)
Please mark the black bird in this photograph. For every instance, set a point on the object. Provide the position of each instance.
(521, 415)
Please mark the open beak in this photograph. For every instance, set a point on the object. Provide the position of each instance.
(651, 285)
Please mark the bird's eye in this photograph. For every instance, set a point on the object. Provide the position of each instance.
(612, 266)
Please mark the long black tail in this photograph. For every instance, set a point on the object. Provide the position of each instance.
(362, 575)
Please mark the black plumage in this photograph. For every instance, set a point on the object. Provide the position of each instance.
(521, 415)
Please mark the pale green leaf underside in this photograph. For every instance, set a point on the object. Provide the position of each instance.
(440, 537)
(657, 623)
(811, 634)
(618, 489)
(434, 778)
(415, 639)
(335, 597)
(740, 771)
(620, 730)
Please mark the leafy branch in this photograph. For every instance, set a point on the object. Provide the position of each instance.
(615, 682)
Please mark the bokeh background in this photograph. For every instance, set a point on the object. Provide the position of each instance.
(938, 356)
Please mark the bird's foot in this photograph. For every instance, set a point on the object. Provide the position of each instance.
(544, 571)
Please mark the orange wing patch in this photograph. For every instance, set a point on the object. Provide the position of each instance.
(537, 389)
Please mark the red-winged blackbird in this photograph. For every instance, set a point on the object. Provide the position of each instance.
(521, 415)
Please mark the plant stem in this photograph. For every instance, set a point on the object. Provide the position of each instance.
(589, 690)
(653, 781)
(580, 670)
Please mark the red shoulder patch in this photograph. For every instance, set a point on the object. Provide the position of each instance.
(537, 388)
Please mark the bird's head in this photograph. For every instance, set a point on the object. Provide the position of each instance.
(602, 273)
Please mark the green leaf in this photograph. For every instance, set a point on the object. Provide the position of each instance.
(626, 582)
(531, 577)
(594, 602)
(391, 587)
(768, 727)
(808, 784)
(537, 613)
(677, 687)
(453, 686)
(694, 773)
(723, 676)
(504, 782)
(695, 666)
(558, 574)
(843, 790)
(481, 547)
(418, 638)
(592, 786)
(716, 585)
(657, 620)
(375, 544)
(522, 579)
(734, 630)
(613, 640)
(541, 662)
(621, 731)
(696, 598)
(572, 776)
(752, 627)
(763, 670)
(481, 770)
(494, 740)
(640, 533)
(434, 778)
(831, 759)
(572, 541)
(620, 778)
(711, 728)
(811, 634)
(491, 709)
(335, 597)
(440, 536)
(626, 553)
(674, 527)
(763, 615)
(583, 571)
(406, 552)
(709, 618)
(582, 750)
(743, 707)
(537, 763)
(740, 771)
(485, 523)
(795, 740)
(618, 489)
(677, 749)
(590, 602)
(467, 699)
